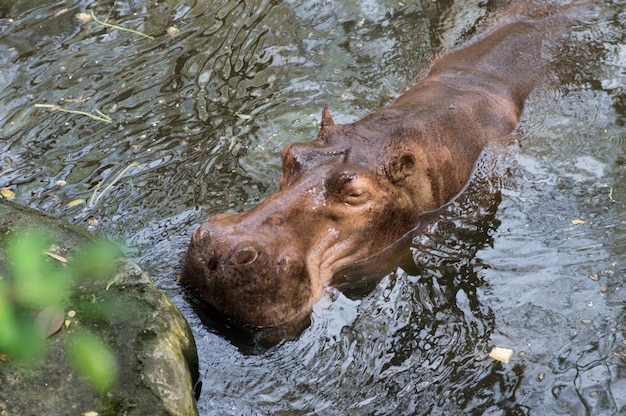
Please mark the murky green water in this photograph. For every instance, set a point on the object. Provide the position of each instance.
(197, 120)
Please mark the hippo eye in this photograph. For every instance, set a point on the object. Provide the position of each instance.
(357, 196)
(351, 189)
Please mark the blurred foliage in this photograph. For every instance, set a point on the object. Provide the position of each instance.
(93, 359)
(36, 285)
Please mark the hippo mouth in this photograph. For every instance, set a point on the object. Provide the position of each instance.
(246, 281)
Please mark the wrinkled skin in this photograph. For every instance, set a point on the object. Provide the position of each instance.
(359, 187)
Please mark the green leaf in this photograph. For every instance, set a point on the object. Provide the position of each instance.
(93, 360)
(18, 338)
(8, 325)
(98, 261)
(36, 282)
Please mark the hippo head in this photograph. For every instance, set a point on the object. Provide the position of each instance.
(342, 198)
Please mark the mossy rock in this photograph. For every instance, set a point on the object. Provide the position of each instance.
(153, 344)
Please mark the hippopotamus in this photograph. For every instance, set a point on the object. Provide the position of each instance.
(359, 187)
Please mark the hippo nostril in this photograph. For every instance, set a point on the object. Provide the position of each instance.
(245, 255)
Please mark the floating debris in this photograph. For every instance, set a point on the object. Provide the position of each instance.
(100, 116)
(501, 354)
(61, 12)
(95, 197)
(7, 193)
(76, 202)
(83, 17)
(136, 32)
(244, 116)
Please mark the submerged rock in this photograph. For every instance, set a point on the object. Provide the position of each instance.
(152, 343)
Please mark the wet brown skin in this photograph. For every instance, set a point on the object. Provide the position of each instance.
(359, 187)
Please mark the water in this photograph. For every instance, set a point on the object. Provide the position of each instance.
(198, 119)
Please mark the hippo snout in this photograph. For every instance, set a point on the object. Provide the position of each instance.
(248, 278)
(236, 251)
(226, 257)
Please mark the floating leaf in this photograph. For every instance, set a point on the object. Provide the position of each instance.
(7, 193)
(76, 202)
(578, 222)
(244, 116)
(232, 143)
(83, 17)
(501, 354)
(49, 320)
(61, 12)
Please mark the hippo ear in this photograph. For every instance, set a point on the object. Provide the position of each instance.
(327, 120)
(400, 167)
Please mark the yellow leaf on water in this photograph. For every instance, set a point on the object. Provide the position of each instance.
(577, 222)
(7, 193)
(76, 202)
